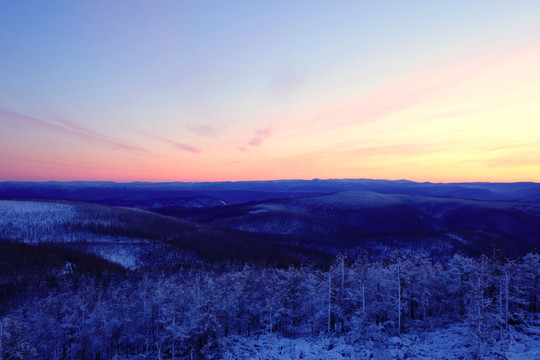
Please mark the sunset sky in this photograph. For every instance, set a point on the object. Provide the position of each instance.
(441, 91)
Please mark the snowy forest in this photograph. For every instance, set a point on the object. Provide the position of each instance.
(355, 308)
(346, 275)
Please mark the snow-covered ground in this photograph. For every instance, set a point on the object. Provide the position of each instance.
(459, 238)
(128, 257)
(448, 344)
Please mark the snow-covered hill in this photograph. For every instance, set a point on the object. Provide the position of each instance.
(119, 235)
(46, 221)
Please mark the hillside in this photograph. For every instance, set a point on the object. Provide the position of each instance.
(120, 235)
(135, 238)
(355, 221)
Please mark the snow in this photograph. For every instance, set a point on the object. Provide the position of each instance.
(450, 344)
(273, 347)
(19, 213)
(49, 222)
(456, 237)
(128, 256)
(32, 221)
(524, 346)
(37, 222)
(258, 211)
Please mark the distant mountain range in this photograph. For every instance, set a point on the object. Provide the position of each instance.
(210, 194)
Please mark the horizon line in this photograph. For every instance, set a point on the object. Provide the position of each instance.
(266, 180)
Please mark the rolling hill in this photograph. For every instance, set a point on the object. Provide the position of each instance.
(348, 220)
(270, 222)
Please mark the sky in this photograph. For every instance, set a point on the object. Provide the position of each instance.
(440, 91)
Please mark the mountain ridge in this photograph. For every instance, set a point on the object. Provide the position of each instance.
(207, 194)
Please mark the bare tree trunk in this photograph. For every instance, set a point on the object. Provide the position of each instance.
(342, 258)
(329, 297)
(506, 298)
(174, 331)
(363, 298)
(501, 314)
(399, 295)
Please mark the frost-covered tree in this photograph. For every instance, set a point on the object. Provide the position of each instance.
(337, 290)
(359, 272)
(313, 301)
(531, 275)
(479, 318)
(457, 279)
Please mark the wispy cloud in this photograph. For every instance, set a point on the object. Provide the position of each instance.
(203, 130)
(531, 144)
(513, 160)
(260, 136)
(65, 128)
(421, 87)
(179, 145)
(186, 147)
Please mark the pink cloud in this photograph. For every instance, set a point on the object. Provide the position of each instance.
(179, 145)
(203, 130)
(186, 147)
(260, 136)
(65, 128)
